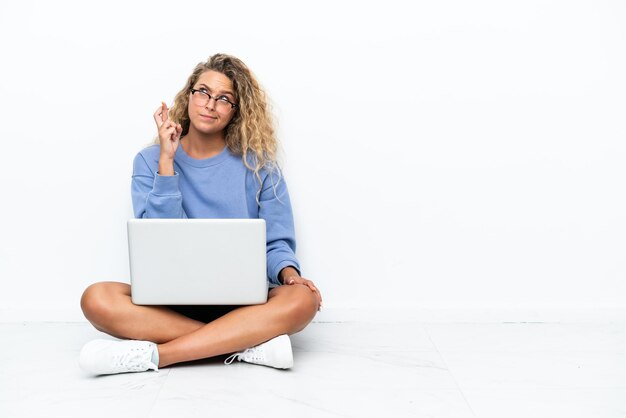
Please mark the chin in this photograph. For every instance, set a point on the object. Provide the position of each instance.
(207, 130)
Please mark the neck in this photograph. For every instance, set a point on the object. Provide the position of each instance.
(200, 146)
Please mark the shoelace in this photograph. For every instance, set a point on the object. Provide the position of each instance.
(134, 359)
(249, 354)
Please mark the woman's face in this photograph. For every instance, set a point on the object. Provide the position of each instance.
(210, 107)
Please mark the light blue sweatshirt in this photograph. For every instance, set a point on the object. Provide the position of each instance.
(217, 187)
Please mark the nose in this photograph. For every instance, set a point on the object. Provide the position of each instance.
(210, 104)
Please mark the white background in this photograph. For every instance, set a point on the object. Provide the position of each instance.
(443, 154)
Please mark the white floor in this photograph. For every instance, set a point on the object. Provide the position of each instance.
(348, 369)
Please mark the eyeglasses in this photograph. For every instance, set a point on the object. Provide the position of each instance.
(202, 97)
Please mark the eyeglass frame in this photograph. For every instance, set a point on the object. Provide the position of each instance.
(204, 91)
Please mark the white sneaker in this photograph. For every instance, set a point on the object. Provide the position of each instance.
(110, 356)
(274, 353)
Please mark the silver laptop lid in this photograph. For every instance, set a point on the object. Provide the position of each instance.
(197, 261)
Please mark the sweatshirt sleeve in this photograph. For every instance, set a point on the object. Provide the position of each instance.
(155, 196)
(275, 208)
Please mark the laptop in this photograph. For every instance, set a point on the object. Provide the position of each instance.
(197, 261)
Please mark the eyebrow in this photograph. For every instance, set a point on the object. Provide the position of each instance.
(219, 92)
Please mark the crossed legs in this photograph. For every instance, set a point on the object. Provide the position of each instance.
(108, 306)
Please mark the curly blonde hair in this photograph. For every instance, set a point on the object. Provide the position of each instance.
(250, 133)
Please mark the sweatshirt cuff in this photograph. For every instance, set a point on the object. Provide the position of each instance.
(165, 185)
(282, 265)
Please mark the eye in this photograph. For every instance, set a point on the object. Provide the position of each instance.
(203, 91)
(223, 99)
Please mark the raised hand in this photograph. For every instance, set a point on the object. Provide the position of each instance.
(169, 132)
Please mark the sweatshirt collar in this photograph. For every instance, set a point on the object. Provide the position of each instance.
(183, 157)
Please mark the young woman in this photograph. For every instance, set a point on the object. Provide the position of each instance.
(215, 158)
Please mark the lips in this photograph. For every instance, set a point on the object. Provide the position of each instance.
(208, 117)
